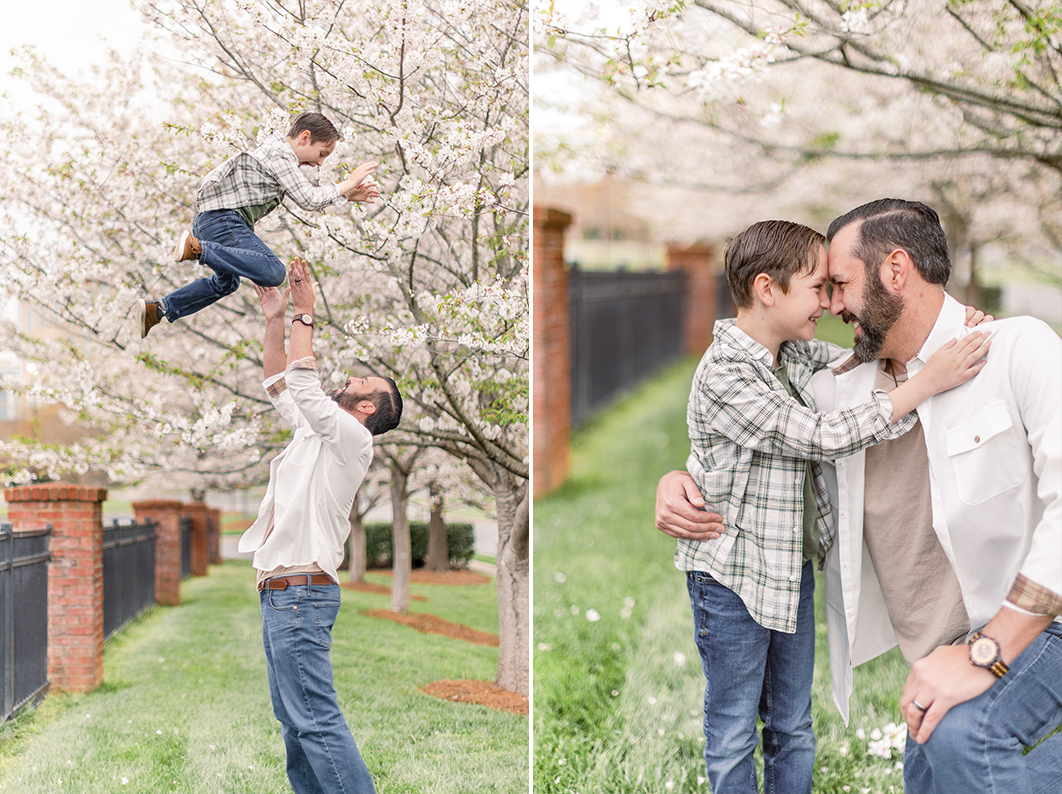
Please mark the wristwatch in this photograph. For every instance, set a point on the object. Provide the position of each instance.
(305, 319)
(984, 652)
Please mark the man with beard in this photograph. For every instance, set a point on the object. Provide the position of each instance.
(962, 517)
(299, 536)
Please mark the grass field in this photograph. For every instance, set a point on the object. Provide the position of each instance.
(618, 685)
(185, 705)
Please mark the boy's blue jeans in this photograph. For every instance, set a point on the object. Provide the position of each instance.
(233, 252)
(977, 747)
(297, 635)
(751, 670)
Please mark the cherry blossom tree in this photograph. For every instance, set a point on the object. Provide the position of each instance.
(428, 285)
(806, 109)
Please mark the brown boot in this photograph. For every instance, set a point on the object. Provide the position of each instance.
(149, 317)
(187, 248)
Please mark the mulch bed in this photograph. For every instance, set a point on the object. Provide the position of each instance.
(481, 693)
(431, 624)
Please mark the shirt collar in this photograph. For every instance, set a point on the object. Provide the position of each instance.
(727, 332)
(948, 326)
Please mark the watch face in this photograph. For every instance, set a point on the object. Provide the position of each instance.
(983, 651)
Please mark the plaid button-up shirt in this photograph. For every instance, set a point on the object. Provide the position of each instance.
(749, 446)
(266, 173)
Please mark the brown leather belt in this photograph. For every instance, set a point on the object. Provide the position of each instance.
(281, 582)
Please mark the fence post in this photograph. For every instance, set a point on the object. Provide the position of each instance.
(551, 406)
(214, 535)
(75, 577)
(697, 261)
(197, 511)
(166, 513)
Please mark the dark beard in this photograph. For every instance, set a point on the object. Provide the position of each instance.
(344, 400)
(880, 312)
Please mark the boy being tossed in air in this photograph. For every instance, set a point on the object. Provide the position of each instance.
(234, 196)
(755, 443)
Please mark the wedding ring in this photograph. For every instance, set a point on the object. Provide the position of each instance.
(918, 705)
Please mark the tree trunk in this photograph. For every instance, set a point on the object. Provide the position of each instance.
(356, 544)
(403, 555)
(438, 553)
(513, 590)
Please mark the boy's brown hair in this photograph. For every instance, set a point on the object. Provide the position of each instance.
(781, 249)
(321, 129)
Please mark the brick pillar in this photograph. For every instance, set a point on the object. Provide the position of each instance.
(167, 516)
(697, 260)
(75, 576)
(214, 535)
(197, 511)
(551, 406)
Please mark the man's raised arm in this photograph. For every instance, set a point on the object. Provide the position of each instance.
(274, 306)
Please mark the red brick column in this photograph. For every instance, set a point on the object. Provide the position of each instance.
(167, 516)
(697, 260)
(551, 404)
(197, 511)
(214, 535)
(75, 577)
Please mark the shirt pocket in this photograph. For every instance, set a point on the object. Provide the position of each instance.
(985, 454)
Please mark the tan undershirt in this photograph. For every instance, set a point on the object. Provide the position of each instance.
(282, 570)
(921, 590)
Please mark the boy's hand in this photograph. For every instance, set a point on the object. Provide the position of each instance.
(274, 302)
(366, 192)
(301, 286)
(957, 361)
(975, 317)
(355, 178)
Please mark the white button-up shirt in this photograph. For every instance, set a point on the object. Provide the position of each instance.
(995, 462)
(313, 481)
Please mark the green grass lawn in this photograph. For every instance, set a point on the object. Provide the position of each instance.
(185, 704)
(618, 687)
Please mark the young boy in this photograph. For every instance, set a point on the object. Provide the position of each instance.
(234, 196)
(755, 443)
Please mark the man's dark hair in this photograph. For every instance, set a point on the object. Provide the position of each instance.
(889, 224)
(388, 409)
(321, 129)
(781, 249)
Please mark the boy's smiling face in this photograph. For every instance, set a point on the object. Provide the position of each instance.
(310, 152)
(796, 313)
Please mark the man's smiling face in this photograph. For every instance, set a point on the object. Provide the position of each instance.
(859, 299)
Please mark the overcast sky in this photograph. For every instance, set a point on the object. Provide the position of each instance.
(71, 34)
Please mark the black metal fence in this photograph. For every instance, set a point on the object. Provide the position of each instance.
(624, 327)
(185, 525)
(24, 557)
(128, 573)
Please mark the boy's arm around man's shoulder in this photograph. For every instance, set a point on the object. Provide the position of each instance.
(743, 401)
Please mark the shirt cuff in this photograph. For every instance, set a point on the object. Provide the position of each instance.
(275, 385)
(308, 362)
(1032, 598)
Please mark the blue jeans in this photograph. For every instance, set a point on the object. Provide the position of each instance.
(233, 252)
(977, 747)
(297, 634)
(751, 670)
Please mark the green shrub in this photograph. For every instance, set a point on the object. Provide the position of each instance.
(379, 552)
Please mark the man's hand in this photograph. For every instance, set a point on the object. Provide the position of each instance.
(301, 286)
(274, 303)
(974, 317)
(943, 679)
(680, 509)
